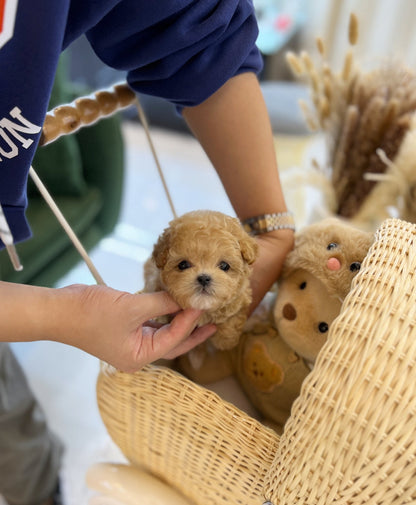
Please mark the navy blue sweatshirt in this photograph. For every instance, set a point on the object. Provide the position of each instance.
(181, 50)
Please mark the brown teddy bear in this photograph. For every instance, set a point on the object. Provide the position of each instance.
(281, 340)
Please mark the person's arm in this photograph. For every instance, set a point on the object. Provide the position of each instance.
(109, 324)
(233, 127)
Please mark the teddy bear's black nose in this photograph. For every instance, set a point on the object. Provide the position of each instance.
(204, 279)
(289, 312)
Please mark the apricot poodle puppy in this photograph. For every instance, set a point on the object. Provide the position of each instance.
(203, 260)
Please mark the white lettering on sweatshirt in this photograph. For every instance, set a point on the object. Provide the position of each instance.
(14, 134)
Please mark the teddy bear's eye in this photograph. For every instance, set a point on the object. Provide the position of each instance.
(183, 265)
(323, 327)
(223, 265)
(354, 267)
(331, 245)
(302, 285)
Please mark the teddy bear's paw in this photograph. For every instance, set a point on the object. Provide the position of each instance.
(264, 373)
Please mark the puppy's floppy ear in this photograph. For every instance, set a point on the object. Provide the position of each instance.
(248, 247)
(161, 249)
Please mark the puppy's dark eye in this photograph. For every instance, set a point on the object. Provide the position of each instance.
(323, 327)
(223, 265)
(354, 267)
(331, 245)
(183, 265)
(302, 285)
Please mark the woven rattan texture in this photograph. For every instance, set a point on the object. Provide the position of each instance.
(186, 435)
(351, 438)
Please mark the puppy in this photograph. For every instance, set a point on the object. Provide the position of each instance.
(203, 260)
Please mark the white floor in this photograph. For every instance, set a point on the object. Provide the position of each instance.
(62, 377)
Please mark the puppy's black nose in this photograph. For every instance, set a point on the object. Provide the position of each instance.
(204, 279)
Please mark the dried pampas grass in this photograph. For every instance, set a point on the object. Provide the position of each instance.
(359, 113)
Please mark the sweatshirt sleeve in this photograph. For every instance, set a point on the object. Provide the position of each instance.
(181, 50)
(30, 44)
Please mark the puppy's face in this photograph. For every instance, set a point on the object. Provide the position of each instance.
(204, 264)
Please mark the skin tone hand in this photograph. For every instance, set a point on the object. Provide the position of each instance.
(109, 324)
(234, 128)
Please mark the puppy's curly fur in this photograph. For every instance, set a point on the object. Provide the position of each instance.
(203, 259)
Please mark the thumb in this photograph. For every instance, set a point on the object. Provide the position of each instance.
(173, 335)
(184, 322)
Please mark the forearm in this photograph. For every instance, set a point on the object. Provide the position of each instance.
(29, 313)
(234, 129)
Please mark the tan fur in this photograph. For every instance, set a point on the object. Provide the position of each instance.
(205, 239)
(283, 337)
(303, 315)
(311, 254)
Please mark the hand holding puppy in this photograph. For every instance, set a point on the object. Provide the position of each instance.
(109, 324)
(117, 328)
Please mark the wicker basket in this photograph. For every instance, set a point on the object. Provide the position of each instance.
(351, 436)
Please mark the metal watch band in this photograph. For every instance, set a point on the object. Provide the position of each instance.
(269, 222)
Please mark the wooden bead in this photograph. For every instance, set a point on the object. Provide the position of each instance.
(88, 109)
(125, 95)
(107, 102)
(68, 117)
(51, 130)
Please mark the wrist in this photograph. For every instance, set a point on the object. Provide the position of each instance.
(283, 239)
(266, 223)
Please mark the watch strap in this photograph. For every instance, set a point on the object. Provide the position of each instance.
(269, 222)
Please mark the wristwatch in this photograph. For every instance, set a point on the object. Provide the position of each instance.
(269, 222)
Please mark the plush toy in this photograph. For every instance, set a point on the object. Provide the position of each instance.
(281, 340)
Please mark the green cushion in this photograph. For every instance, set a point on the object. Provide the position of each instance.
(49, 239)
(59, 166)
(54, 271)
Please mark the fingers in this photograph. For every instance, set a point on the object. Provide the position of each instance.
(180, 328)
(197, 337)
(157, 304)
(175, 338)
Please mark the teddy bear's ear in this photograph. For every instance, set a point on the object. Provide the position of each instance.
(161, 249)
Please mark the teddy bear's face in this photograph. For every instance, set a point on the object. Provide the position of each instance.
(303, 313)
(333, 251)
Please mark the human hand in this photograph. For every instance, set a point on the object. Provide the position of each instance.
(114, 326)
(273, 249)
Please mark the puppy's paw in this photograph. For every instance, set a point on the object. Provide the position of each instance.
(228, 334)
(196, 357)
